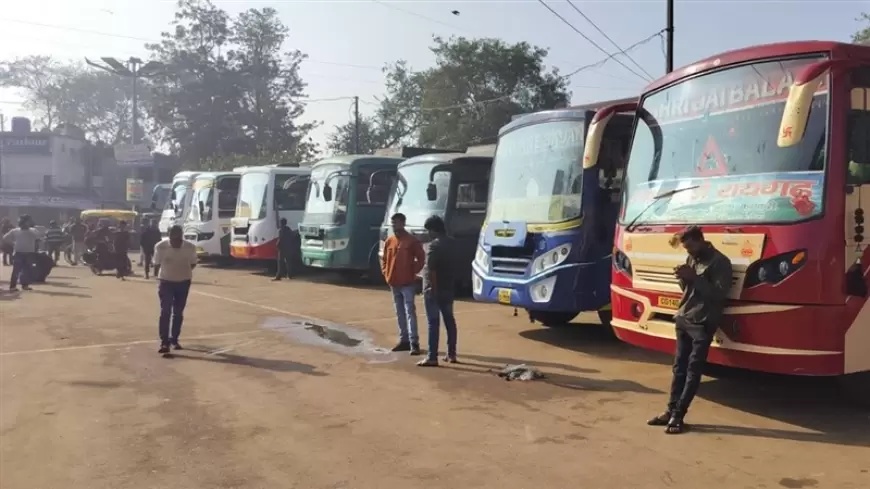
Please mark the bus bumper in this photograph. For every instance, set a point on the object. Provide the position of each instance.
(261, 251)
(320, 258)
(571, 287)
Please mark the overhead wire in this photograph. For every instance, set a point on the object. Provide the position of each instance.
(600, 31)
(595, 44)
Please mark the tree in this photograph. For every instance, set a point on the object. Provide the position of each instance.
(68, 93)
(343, 140)
(226, 89)
(863, 35)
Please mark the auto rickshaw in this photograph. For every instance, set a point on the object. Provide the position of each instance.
(93, 218)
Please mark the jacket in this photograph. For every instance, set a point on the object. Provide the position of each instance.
(403, 259)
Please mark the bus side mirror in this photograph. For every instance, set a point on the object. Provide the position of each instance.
(432, 192)
(595, 134)
(327, 192)
(796, 112)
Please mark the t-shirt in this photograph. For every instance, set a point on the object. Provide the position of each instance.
(23, 240)
(175, 263)
(440, 267)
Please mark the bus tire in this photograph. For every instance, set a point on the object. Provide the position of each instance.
(553, 319)
(605, 317)
(856, 388)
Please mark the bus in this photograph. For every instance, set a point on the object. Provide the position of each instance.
(212, 207)
(347, 198)
(546, 243)
(766, 149)
(159, 195)
(266, 194)
(450, 185)
(178, 204)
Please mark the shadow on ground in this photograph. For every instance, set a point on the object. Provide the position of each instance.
(272, 365)
(595, 340)
(814, 404)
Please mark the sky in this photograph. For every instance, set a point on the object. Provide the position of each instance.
(349, 41)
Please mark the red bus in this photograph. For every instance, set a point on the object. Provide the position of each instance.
(767, 149)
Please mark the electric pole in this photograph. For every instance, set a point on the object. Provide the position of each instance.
(356, 149)
(134, 69)
(669, 29)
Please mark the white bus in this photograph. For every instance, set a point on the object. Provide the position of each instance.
(266, 194)
(178, 204)
(213, 204)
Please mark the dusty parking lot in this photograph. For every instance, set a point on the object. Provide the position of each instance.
(259, 401)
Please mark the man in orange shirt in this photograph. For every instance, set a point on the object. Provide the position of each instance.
(402, 261)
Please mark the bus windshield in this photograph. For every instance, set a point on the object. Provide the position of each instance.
(718, 132)
(201, 200)
(176, 199)
(317, 209)
(409, 196)
(160, 195)
(537, 173)
(253, 189)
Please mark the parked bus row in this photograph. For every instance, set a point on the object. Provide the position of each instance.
(767, 149)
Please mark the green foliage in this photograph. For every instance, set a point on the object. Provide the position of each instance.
(475, 88)
(228, 162)
(863, 35)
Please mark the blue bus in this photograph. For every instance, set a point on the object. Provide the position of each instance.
(547, 241)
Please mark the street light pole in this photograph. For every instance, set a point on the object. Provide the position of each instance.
(669, 29)
(134, 69)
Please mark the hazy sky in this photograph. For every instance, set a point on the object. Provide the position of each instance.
(348, 41)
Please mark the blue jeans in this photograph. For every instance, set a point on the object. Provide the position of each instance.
(406, 313)
(173, 299)
(437, 308)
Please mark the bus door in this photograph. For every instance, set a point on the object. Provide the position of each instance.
(858, 181)
(611, 170)
(372, 188)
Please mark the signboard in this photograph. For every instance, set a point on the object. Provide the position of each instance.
(25, 144)
(133, 155)
(31, 200)
(135, 189)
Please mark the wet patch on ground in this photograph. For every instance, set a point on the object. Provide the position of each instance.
(336, 337)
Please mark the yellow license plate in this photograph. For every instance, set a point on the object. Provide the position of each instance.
(504, 296)
(669, 302)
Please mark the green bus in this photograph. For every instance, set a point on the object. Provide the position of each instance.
(347, 197)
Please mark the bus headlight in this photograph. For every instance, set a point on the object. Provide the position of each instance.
(551, 258)
(481, 258)
(543, 290)
(334, 244)
(476, 284)
(621, 262)
(775, 269)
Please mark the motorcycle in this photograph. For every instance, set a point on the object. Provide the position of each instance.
(103, 260)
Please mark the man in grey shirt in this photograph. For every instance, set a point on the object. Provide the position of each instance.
(23, 240)
(439, 282)
(705, 279)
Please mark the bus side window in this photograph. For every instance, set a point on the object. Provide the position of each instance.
(379, 191)
(293, 197)
(471, 196)
(228, 192)
(859, 128)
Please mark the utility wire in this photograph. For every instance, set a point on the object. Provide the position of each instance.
(578, 31)
(598, 64)
(421, 16)
(577, 9)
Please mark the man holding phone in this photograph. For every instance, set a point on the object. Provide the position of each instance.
(705, 279)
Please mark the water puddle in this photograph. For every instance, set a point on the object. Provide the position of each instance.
(336, 337)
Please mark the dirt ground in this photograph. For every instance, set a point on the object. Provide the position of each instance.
(259, 400)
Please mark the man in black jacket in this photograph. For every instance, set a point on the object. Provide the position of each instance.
(286, 250)
(705, 279)
(150, 237)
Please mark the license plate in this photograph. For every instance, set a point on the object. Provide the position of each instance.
(669, 302)
(316, 263)
(504, 296)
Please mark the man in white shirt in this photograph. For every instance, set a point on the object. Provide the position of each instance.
(174, 261)
(23, 240)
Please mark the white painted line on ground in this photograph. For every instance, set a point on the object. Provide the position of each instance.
(116, 345)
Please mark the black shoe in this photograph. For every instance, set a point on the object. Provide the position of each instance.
(176, 346)
(163, 349)
(276, 279)
(402, 346)
(415, 350)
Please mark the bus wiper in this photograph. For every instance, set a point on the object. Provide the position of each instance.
(666, 195)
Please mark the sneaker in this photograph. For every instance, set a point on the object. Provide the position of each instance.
(427, 362)
(176, 346)
(163, 349)
(13, 289)
(26, 287)
(276, 279)
(450, 359)
(415, 350)
(402, 346)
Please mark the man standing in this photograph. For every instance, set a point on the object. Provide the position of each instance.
(286, 246)
(147, 241)
(174, 261)
(23, 240)
(121, 243)
(439, 284)
(53, 240)
(77, 232)
(6, 248)
(402, 261)
(705, 279)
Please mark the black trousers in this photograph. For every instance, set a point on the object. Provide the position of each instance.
(121, 264)
(285, 264)
(693, 346)
(147, 259)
